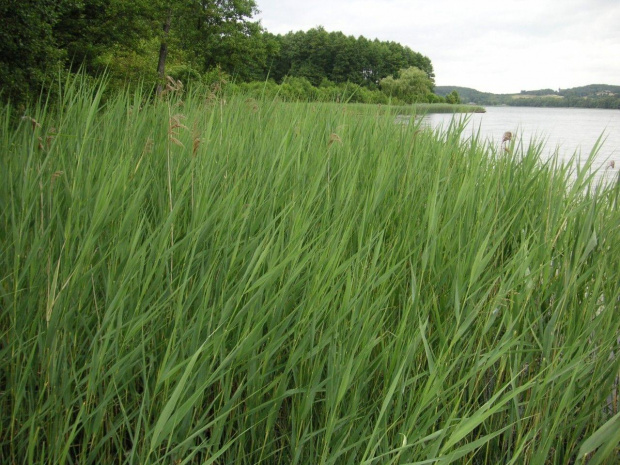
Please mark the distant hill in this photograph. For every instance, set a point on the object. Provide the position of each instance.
(590, 96)
(467, 94)
(593, 90)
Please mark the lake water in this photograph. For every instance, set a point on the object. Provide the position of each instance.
(568, 130)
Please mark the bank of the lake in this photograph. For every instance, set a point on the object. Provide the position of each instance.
(416, 109)
(250, 281)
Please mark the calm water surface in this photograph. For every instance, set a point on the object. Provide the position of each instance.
(570, 131)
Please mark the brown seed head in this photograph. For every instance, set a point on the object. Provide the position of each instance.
(56, 175)
(334, 138)
(32, 121)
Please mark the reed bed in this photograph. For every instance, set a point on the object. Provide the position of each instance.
(416, 109)
(203, 280)
(427, 108)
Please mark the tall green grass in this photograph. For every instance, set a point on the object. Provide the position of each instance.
(241, 281)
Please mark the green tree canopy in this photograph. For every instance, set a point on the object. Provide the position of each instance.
(126, 37)
(148, 39)
(222, 33)
(453, 98)
(317, 54)
(412, 85)
(27, 45)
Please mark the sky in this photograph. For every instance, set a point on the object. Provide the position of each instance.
(499, 46)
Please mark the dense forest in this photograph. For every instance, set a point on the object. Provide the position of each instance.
(318, 55)
(144, 41)
(591, 96)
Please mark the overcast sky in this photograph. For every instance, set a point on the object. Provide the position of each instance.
(500, 46)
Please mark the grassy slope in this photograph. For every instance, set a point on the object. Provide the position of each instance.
(252, 282)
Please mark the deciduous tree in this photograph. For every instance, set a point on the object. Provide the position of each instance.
(412, 85)
(453, 98)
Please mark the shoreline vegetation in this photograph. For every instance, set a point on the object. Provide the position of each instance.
(353, 96)
(215, 278)
(422, 108)
(410, 110)
(416, 109)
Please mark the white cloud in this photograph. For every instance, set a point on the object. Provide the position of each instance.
(488, 45)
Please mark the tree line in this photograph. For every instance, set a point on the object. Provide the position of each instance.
(317, 55)
(590, 96)
(193, 40)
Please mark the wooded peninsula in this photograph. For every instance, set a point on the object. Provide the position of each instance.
(140, 41)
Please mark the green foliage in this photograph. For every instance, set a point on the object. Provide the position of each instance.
(126, 67)
(250, 281)
(434, 98)
(28, 51)
(295, 89)
(298, 88)
(453, 98)
(215, 76)
(412, 85)
(317, 54)
(139, 42)
(90, 30)
(122, 39)
(223, 34)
